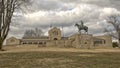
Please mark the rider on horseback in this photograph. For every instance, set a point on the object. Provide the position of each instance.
(81, 27)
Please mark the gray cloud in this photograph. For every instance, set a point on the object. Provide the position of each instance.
(46, 4)
(65, 13)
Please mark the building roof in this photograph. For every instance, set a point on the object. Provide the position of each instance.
(12, 38)
(94, 38)
(64, 38)
(42, 37)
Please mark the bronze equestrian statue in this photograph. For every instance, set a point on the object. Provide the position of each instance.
(81, 27)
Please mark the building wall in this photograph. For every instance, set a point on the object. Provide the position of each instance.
(83, 41)
(86, 40)
(39, 42)
(55, 34)
(107, 42)
(55, 40)
(12, 41)
(60, 43)
(68, 43)
(51, 43)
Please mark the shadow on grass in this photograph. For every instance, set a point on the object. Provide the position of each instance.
(2, 50)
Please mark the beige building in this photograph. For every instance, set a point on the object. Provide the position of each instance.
(55, 39)
(13, 41)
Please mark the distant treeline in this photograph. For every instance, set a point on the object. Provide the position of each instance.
(33, 33)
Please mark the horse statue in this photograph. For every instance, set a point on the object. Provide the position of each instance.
(81, 27)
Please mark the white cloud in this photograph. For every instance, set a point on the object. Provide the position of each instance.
(66, 13)
(108, 11)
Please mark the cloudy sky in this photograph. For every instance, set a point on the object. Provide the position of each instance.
(65, 13)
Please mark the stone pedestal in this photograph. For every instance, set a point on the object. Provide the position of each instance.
(83, 41)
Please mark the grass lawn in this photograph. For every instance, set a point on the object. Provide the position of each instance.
(39, 58)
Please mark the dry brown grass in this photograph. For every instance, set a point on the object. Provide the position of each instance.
(27, 48)
(52, 57)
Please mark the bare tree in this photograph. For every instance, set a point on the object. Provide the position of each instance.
(28, 33)
(36, 33)
(114, 20)
(7, 8)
